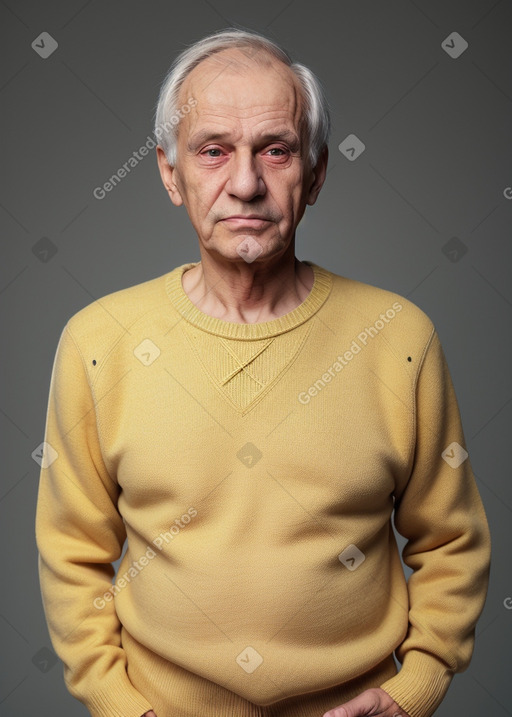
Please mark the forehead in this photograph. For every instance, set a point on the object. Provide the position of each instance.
(234, 87)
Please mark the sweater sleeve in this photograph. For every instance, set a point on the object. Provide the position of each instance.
(440, 513)
(79, 534)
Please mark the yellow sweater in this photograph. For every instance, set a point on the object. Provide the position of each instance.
(253, 470)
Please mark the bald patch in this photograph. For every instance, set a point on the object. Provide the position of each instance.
(241, 60)
(237, 61)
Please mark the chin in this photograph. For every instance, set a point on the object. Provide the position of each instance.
(247, 246)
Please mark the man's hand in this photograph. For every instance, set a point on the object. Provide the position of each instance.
(149, 714)
(370, 702)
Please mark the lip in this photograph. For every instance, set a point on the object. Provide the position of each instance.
(252, 221)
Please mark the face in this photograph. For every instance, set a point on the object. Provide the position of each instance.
(242, 169)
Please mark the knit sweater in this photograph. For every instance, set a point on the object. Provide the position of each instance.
(253, 471)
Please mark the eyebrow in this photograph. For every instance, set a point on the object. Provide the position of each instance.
(206, 135)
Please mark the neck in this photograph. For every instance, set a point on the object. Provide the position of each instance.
(248, 293)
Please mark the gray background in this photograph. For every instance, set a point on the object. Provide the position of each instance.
(437, 168)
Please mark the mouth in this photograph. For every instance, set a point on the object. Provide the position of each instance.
(250, 221)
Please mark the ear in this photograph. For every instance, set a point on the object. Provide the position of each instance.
(168, 175)
(318, 176)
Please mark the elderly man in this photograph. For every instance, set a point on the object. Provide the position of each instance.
(247, 425)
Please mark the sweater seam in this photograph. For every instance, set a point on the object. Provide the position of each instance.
(271, 386)
(382, 336)
(94, 402)
(308, 325)
(126, 330)
(414, 399)
(412, 381)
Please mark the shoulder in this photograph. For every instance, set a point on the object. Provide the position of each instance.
(106, 320)
(373, 311)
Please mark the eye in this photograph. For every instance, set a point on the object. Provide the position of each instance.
(277, 149)
(212, 149)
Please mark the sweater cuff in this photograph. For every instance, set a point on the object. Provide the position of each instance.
(420, 685)
(119, 699)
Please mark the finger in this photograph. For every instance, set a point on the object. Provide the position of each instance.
(336, 712)
(366, 704)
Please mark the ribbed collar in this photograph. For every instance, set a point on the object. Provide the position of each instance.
(315, 299)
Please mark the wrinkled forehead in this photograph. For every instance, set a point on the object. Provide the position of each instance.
(241, 83)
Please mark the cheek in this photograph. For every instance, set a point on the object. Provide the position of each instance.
(290, 198)
(288, 189)
(201, 197)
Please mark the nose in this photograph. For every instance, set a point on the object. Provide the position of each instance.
(245, 178)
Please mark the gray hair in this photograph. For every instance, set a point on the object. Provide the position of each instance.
(316, 114)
